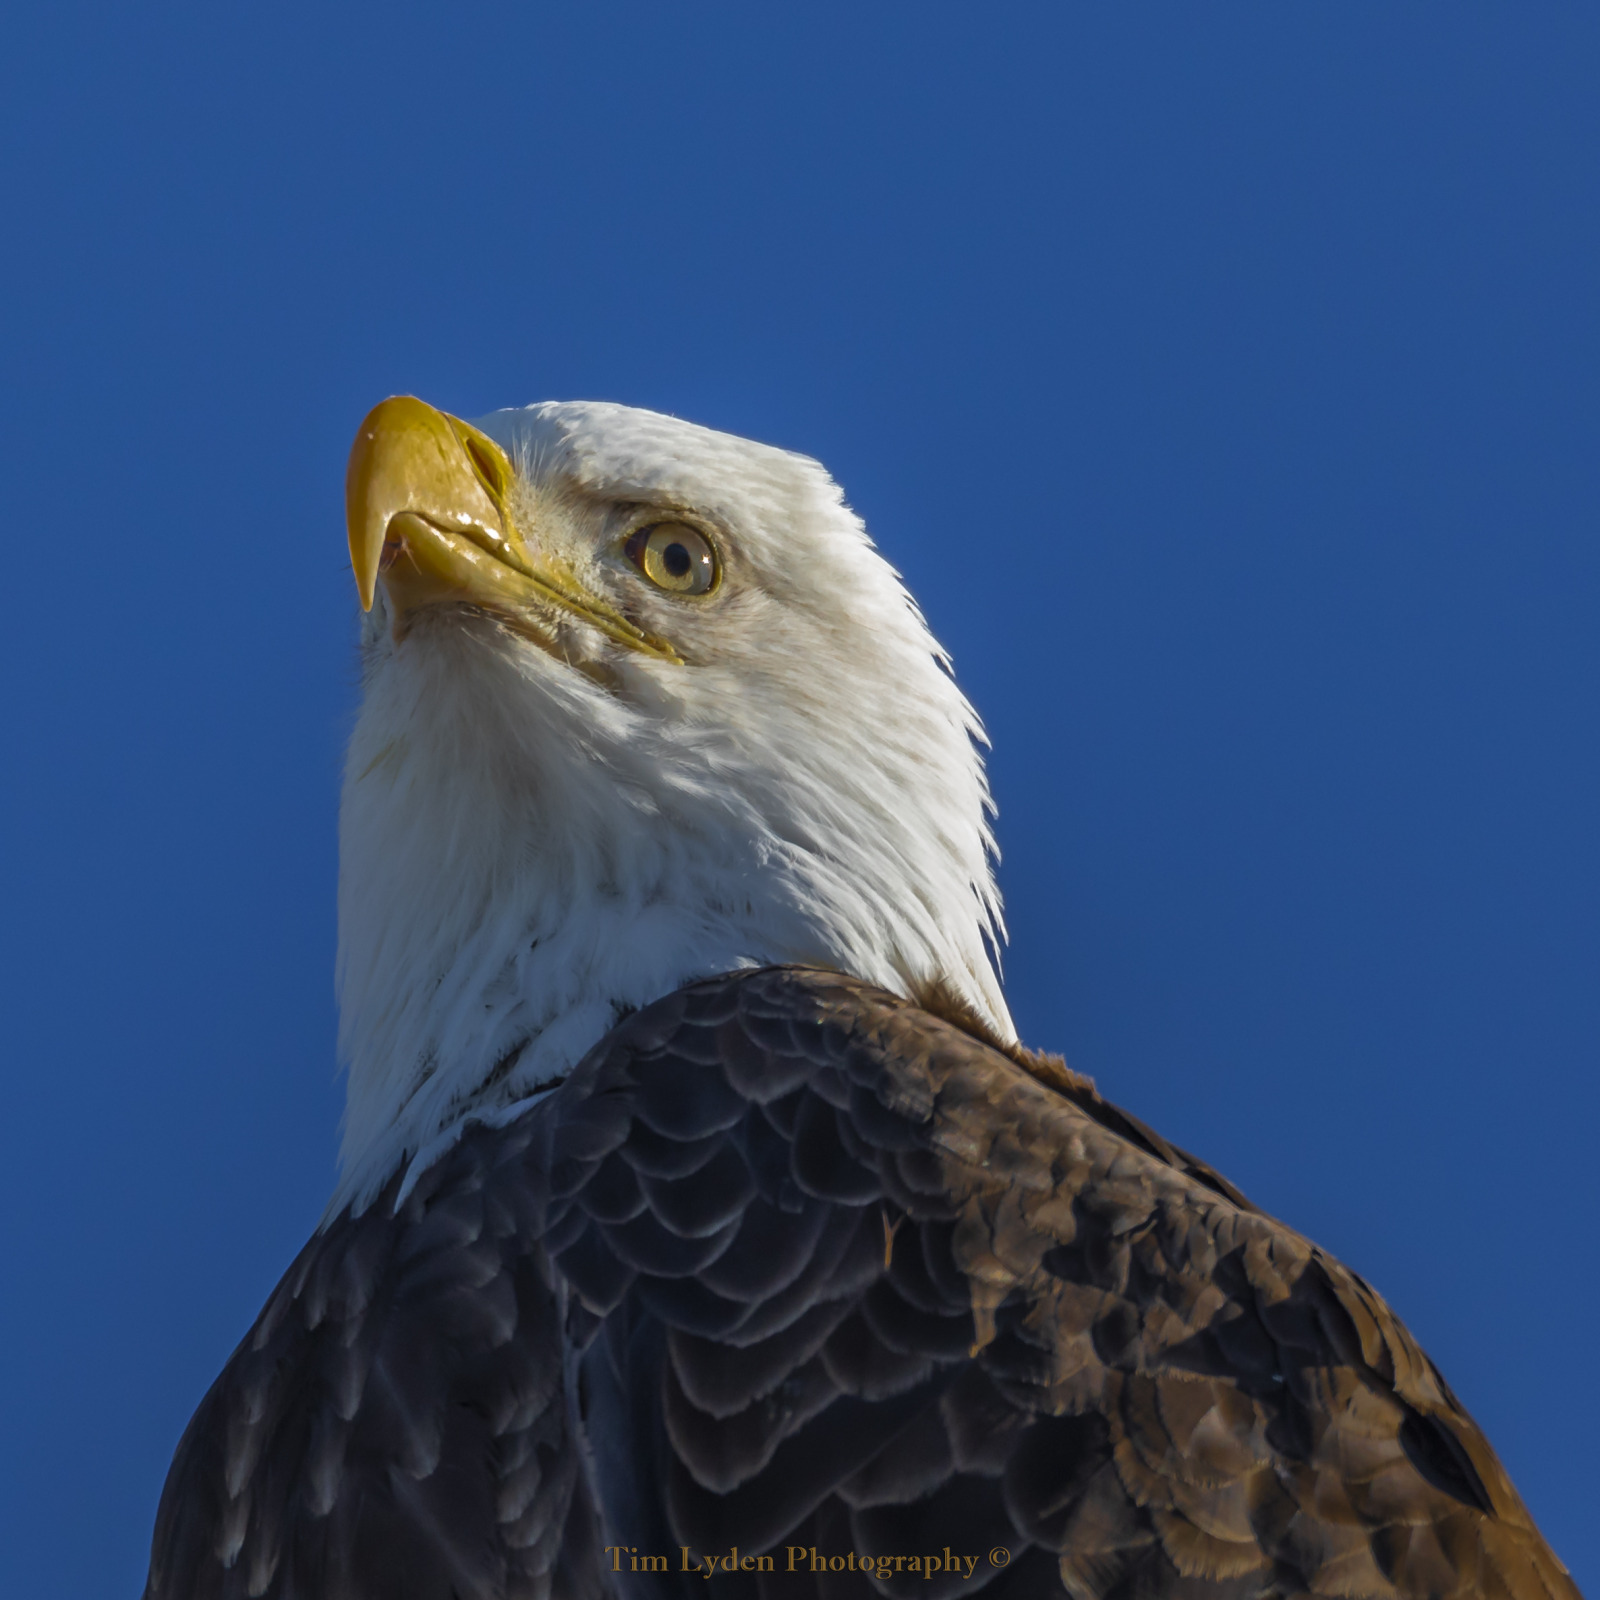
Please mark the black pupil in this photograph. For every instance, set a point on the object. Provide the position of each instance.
(676, 560)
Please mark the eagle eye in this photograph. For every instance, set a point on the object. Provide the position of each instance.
(674, 557)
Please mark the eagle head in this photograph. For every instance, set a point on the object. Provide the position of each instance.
(641, 703)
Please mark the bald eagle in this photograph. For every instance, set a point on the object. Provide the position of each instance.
(701, 1219)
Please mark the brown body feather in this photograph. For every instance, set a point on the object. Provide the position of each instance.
(790, 1261)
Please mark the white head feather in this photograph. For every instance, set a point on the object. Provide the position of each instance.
(531, 846)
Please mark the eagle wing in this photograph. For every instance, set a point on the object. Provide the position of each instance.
(798, 1288)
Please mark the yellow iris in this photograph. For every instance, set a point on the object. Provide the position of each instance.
(675, 557)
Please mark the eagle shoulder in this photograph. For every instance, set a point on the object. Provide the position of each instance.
(950, 1293)
(394, 1426)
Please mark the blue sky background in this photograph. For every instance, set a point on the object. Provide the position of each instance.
(1224, 380)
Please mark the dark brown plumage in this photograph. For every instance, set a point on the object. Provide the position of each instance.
(790, 1261)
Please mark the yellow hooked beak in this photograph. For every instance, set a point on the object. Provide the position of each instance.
(427, 505)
